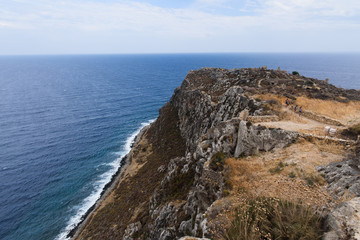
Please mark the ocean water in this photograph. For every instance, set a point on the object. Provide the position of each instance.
(66, 121)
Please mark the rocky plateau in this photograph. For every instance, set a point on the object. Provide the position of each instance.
(180, 180)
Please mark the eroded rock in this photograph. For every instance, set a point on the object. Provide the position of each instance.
(343, 177)
(212, 107)
(344, 221)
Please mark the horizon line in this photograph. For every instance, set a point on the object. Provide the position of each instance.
(175, 53)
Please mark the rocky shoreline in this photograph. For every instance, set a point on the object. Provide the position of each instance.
(104, 193)
(108, 188)
(225, 140)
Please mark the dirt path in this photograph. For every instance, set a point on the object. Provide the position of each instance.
(299, 123)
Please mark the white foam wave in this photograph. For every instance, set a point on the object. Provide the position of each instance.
(99, 185)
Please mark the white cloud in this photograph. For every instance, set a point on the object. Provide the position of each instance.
(159, 26)
(314, 8)
(5, 24)
(91, 15)
(210, 3)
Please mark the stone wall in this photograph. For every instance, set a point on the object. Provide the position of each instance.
(266, 118)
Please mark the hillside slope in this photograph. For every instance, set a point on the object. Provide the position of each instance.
(227, 140)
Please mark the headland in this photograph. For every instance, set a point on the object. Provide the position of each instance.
(240, 152)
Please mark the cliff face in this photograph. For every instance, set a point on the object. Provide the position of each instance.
(179, 164)
(208, 107)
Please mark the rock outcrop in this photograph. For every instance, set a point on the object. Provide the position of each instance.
(344, 181)
(209, 121)
(343, 177)
(343, 222)
(208, 117)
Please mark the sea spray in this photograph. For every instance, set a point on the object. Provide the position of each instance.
(100, 185)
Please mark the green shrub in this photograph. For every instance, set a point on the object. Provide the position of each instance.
(280, 166)
(226, 192)
(313, 179)
(295, 73)
(228, 184)
(352, 132)
(268, 218)
(355, 129)
(179, 186)
(309, 83)
(294, 221)
(217, 161)
(292, 174)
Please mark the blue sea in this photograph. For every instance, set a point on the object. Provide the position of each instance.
(66, 122)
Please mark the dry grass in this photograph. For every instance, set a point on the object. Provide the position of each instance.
(337, 110)
(129, 201)
(242, 173)
(285, 173)
(267, 97)
(348, 113)
(309, 127)
(246, 217)
(138, 158)
(251, 179)
(270, 218)
(293, 117)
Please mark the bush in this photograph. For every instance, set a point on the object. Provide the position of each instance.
(226, 193)
(313, 179)
(294, 221)
(295, 73)
(217, 161)
(268, 218)
(355, 129)
(292, 174)
(179, 186)
(280, 166)
(273, 102)
(309, 83)
(352, 132)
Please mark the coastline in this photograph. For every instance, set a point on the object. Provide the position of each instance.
(213, 151)
(106, 193)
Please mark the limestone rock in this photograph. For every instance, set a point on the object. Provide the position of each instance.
(343, 177)
(213, 106)
(343, 222)
(131, 230)
(209, 104)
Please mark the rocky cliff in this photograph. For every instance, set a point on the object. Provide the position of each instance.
(180, 175)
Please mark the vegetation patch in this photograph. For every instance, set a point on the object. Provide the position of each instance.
(313, 179)
(179, 186)
(279, 168)
(355, 129)
(134, 191)
(217, 161)
(309, 83)
(340, 111)
(292, 174)
(273, 102)
(351, 132)
(269, 218)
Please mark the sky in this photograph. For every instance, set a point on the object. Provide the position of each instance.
(184, 26)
